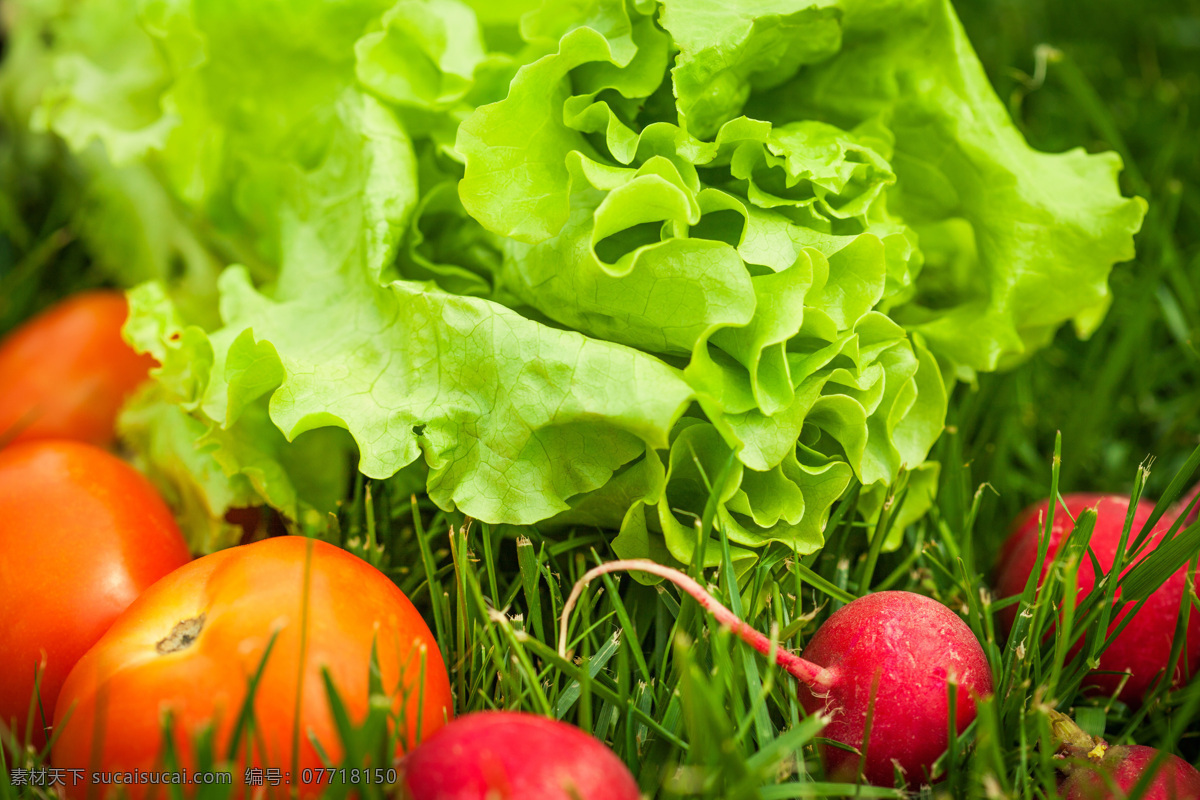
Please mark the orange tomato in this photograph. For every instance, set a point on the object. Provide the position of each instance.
(66, 372)
(81, 535)
(191, 644)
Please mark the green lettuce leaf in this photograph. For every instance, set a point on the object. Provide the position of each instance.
(755, 260)
(1024, 240)
(726, 50)
(205, 471)
(513, 418)
(130, 224)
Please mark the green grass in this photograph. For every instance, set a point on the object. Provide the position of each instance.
(1127, 80)
(693, 712)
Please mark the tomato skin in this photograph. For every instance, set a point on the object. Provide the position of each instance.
(82, 534)
(119, 692)
(65, 373)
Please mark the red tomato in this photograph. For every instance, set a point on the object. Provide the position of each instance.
(65, 373)
(192, 642)
(81, 535)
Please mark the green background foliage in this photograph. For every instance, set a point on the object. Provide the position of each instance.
(691, 711)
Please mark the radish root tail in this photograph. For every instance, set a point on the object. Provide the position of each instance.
(815, 677)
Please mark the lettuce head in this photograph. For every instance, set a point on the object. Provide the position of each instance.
(578, 263)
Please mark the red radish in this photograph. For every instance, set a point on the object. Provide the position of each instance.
(1144, 647)
(1094, 768)
(881, 664)
(1182, 504)
(1176, 779)
(505, 755)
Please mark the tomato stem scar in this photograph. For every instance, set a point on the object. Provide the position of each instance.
(181, 636)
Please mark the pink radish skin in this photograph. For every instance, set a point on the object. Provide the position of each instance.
(1181, 506)
(1176, 779)
(914, 645)
(1144, 647)
(882, 661)
(1096, 770)
(505, 755)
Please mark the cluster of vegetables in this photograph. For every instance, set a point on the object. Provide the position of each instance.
(109, 627)
(115, 645)
(556, 264)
